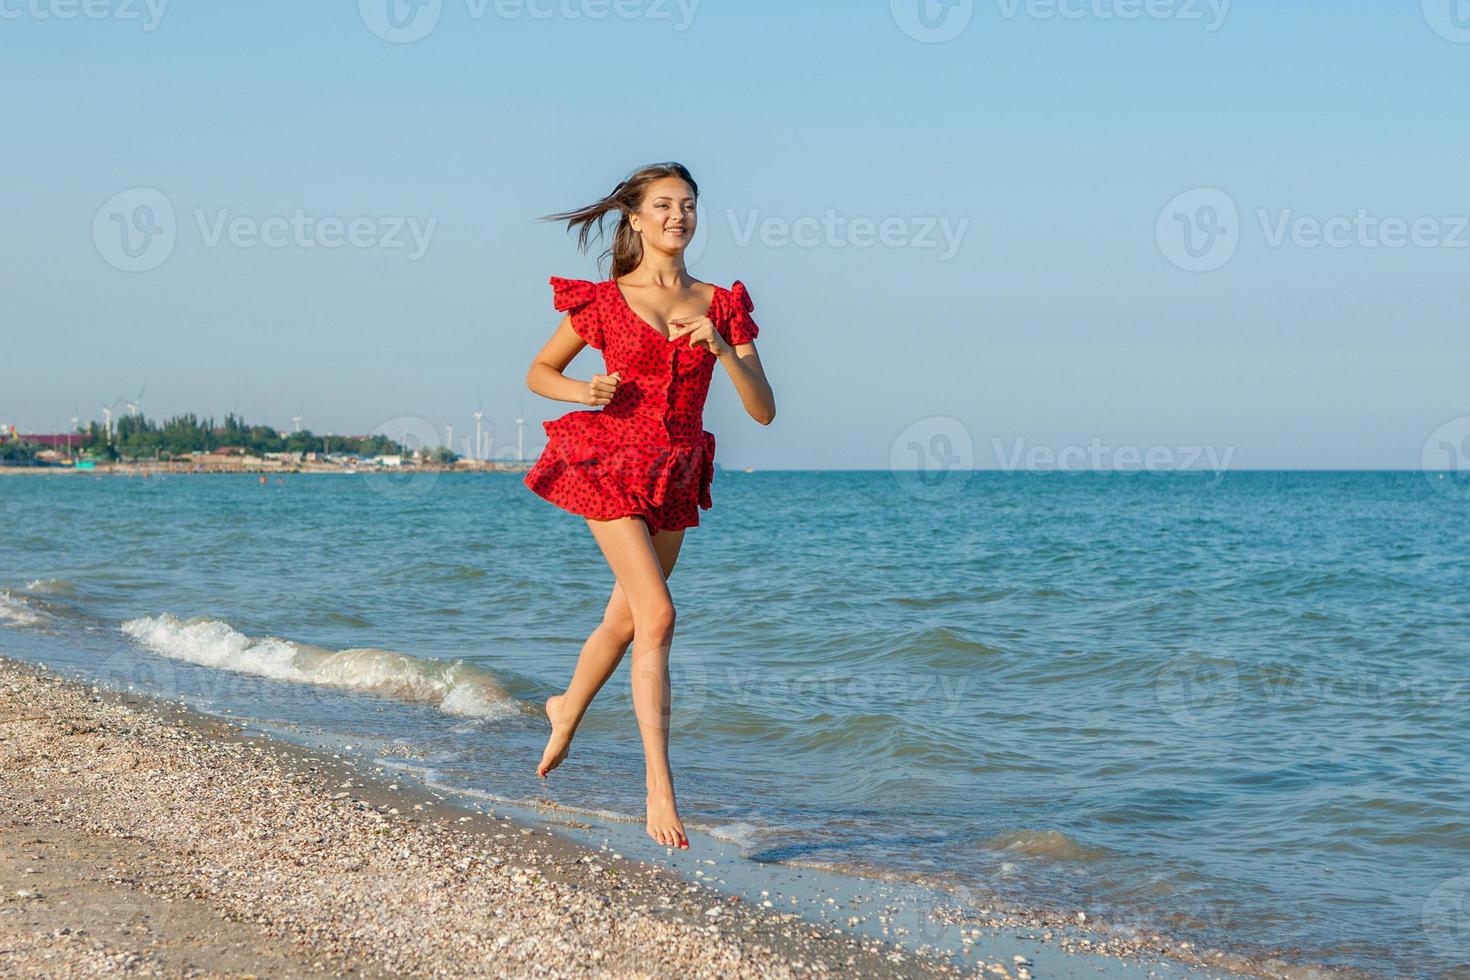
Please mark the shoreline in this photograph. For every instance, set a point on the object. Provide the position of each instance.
(131, 824)
(140, 832)
(150, 470)
(127, 759)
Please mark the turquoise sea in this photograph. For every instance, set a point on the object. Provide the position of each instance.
(1233, 707)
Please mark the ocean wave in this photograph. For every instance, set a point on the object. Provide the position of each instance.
(16, 611)
(742, 834)
(51, 586)
(454, 687)
(1051, 844)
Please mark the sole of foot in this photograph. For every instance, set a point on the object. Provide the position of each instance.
(559, 745)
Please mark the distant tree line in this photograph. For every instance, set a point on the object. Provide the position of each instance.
(139, 437)
(13, 452)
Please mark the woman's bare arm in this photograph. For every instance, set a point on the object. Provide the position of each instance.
(546, 379)
(743, 365)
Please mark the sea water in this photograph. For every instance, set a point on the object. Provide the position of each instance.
(1232, 707)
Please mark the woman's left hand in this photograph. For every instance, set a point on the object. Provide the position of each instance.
(701, 333)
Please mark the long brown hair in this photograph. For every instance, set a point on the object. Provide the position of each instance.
(627, 245)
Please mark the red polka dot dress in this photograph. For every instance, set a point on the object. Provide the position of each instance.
(645, 453)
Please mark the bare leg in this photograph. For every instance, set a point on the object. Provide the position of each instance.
(629, 550)
(600, 656)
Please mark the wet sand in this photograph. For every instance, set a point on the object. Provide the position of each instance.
(139, 836)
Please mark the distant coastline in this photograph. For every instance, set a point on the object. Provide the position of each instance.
(148, 470)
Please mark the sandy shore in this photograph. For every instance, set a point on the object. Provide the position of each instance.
(140, 837)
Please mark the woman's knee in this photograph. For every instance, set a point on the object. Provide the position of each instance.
(654, 618)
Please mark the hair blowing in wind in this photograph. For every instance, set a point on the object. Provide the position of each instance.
(627, 246)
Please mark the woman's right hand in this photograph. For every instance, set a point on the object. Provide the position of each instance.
(601, 388)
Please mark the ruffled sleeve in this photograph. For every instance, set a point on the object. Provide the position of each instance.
(742, 329)
(576, 296)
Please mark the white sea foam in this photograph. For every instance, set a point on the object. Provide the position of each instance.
(50, 586)
(739, 833)
(455, 687)
(454, 788)
(15, 611)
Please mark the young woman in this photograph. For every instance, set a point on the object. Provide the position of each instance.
(638, 466)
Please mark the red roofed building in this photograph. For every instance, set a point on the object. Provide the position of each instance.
(55, 441)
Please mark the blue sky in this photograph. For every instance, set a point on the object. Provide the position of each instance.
(1031, 288)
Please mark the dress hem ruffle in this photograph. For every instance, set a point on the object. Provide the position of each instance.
(579, 465)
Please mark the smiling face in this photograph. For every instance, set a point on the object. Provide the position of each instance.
(665, 218)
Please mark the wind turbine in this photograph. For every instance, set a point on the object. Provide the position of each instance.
(136, 404)
(74, 420)
(479, 439)
(449, 436)
(520, 438)
(107, 420)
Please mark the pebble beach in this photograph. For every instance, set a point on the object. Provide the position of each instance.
(143, 838)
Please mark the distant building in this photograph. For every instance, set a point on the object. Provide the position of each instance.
(54, 441)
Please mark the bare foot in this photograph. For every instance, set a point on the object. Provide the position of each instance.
(560, 742)
(664, 824)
